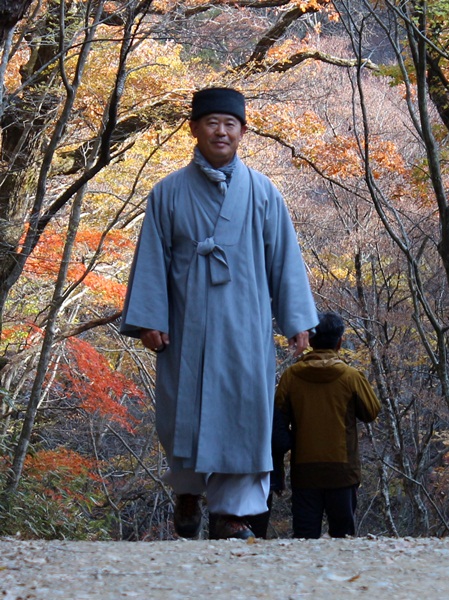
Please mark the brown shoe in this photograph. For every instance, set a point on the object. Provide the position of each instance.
(187, 515)
(229, 526)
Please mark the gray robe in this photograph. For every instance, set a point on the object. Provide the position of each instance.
(212, 271)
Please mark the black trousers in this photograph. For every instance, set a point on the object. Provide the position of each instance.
(309, 506)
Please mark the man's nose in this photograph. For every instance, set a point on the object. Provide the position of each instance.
(220, 130)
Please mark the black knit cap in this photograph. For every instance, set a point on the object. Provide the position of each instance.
(218, 100)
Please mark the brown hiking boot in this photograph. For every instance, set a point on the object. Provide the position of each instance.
(229, 526)
(187, 515)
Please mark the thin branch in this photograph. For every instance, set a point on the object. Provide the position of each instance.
(421, 486)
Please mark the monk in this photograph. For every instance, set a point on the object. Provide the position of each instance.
(217, 258)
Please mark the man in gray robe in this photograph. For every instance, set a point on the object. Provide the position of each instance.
(217, 258)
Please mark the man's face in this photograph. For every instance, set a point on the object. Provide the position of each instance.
(218, 137)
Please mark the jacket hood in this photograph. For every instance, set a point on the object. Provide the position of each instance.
(320, 365)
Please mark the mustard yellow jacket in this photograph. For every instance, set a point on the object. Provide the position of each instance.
(321, 398)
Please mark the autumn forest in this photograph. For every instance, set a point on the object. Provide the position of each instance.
(348, 112)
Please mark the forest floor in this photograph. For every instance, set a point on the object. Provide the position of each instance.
(284, 569)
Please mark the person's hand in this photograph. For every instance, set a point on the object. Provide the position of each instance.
(154, 340)
(298, 343)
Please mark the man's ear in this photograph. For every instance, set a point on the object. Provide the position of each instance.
(193, 128)
(339, 343)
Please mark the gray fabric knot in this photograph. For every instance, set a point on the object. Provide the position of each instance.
(206, 247)
(218, 262)
(218, 176)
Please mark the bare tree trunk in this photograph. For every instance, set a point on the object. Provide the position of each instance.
(11, 12)
(45, 356)
(59, 295)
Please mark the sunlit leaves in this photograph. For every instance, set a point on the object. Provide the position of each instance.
(97, 386)
(337, 158)
(45, 262)
(283, 120)
(309, 5)
(156, 74)
(438, 16)
(282, 51)
(71, 464)
(311, 110)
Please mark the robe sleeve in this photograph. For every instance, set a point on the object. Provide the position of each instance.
(292, 300)
(146, 302)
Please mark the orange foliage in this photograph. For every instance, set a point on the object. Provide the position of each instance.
(24, 333)
(339, 157)
(310, 5)
(285, 49)
(387, 158)
(115, 240)
(168, 5)
(46, 257)
(61, 459)
(157, 72)
(97, 385)
(111, 292)
(277, 121)
(12, 75)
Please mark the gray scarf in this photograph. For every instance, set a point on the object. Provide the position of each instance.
(220, 176)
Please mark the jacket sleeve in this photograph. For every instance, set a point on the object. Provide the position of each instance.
(281, 437)
(282, 401)
(280, 445)
(367, 405)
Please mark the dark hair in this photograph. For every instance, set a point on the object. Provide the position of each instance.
(328, 331)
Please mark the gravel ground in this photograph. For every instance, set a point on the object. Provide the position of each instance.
(401, 569)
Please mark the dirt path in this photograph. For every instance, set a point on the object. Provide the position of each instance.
(402, 569)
